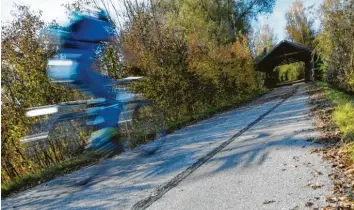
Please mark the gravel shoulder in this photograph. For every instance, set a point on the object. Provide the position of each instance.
(268, 167)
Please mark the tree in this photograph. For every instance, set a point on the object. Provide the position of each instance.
(290, 72)
(247, 10)
(335, 43)
(264, 40)
(299, 26)
(185, 49)
(25, 51)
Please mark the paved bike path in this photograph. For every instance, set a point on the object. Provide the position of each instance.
(268, 167)
(130, 178)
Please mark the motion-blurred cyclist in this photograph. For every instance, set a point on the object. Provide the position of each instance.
(77, 53)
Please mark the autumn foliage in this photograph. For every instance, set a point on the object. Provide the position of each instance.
(187, 71)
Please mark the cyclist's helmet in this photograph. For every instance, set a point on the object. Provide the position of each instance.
(102, 15)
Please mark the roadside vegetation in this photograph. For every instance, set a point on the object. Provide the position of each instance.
(342, 114)
(343, 110)
(334, 44)
(334, 48)
(334, 112)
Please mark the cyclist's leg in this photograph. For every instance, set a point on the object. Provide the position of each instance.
(84, 79)
(107, 116)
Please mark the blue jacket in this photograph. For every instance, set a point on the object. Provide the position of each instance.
(89, 29)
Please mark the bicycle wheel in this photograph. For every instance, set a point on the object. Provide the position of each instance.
(146, 124)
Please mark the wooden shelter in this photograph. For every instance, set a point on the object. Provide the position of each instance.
(286, 52)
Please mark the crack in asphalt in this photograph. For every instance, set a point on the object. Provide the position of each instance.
(164, 188)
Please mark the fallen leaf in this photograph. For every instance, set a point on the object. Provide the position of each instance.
(318, 173)
(343, 198)
(315, 186)
(330, 199)
(268, 201)
(308, 204)
(350, 171)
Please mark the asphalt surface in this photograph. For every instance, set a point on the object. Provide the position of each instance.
(254, 157)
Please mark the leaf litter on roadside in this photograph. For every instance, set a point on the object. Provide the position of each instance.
(342, 165)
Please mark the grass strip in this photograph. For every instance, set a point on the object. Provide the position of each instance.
(343, 114)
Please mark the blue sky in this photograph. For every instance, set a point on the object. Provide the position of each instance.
(52, 9)
(277, 21)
